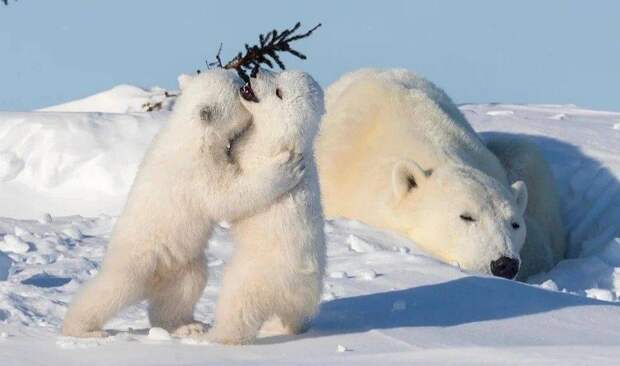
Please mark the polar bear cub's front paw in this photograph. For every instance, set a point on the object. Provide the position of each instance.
(289, 171)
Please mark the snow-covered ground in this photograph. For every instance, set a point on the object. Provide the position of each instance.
(382, 303)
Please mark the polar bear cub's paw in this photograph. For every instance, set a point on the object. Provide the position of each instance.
(192, 330)
(87, 334)
(288, 171)
(230, 336)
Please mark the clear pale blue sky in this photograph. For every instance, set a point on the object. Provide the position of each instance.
(479, 51)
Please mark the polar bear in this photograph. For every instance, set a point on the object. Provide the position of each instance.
(279, 260)
(395, 152)
(186, 182)
(545, 243)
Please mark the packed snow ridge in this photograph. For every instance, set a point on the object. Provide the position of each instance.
(65, 172)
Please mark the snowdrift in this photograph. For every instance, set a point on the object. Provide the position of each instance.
(120, 99)
(382, 301)
(68, 163)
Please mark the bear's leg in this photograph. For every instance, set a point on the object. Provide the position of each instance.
(172, 300)
(299, 303)
(103, 297)
(245, 302)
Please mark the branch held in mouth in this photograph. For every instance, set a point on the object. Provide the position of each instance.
(267, 52)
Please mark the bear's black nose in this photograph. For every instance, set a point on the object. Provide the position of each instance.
(505, 267)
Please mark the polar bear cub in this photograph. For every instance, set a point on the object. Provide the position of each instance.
(279, 259)
(187, 181)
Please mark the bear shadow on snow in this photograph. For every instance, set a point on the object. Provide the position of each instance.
(452, 303)
(589, 193)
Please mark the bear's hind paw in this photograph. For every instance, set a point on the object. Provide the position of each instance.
(87, 334)
(196, 329)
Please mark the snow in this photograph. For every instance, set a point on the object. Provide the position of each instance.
(70, 162)
(159, 334)
(120, 99)
(12, 243)
(64, 176)
(5, 266)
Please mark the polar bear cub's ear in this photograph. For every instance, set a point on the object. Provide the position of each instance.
(519, 190)
(407, 175)
(183, 81)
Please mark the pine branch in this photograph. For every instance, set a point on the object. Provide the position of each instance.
(266, 52)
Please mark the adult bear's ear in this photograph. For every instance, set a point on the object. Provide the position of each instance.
(407, 175)
(183, 81)
(519, 190)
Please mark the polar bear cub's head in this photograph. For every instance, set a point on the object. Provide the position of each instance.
(293, 97)
(208, 111)
(462, 216)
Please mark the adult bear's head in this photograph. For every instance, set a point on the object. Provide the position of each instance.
(461, 216)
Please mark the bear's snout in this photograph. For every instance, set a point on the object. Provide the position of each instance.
(505, 267)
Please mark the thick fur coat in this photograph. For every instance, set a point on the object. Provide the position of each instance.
(279, 260)
(395, 152)
(185, 184)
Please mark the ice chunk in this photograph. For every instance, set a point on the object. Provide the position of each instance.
(12, 243)
(159, 334)
(45, 219)
(338, 274)
(73, 233)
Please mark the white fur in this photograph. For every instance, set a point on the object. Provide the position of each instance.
(545, 244)
(185, 183)
(279, 260)
(394, 151)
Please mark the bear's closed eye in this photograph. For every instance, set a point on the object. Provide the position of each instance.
(467, 217)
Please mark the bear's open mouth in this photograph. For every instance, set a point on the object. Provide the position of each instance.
(247, 93)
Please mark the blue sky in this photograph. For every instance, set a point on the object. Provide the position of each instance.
(479, 51)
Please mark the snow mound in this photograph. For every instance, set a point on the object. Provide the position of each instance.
(67, 163)
(120, 99)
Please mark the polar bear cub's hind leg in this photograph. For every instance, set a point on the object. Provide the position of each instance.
(100, 300)
(172, 299)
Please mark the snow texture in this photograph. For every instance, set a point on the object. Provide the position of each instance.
(64, 177)
(5, 266)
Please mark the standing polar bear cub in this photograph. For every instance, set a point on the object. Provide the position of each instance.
(279, 260)
(395, 152)
(187, 181)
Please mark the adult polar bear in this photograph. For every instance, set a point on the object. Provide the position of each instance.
(395, 152)
(186, 182)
